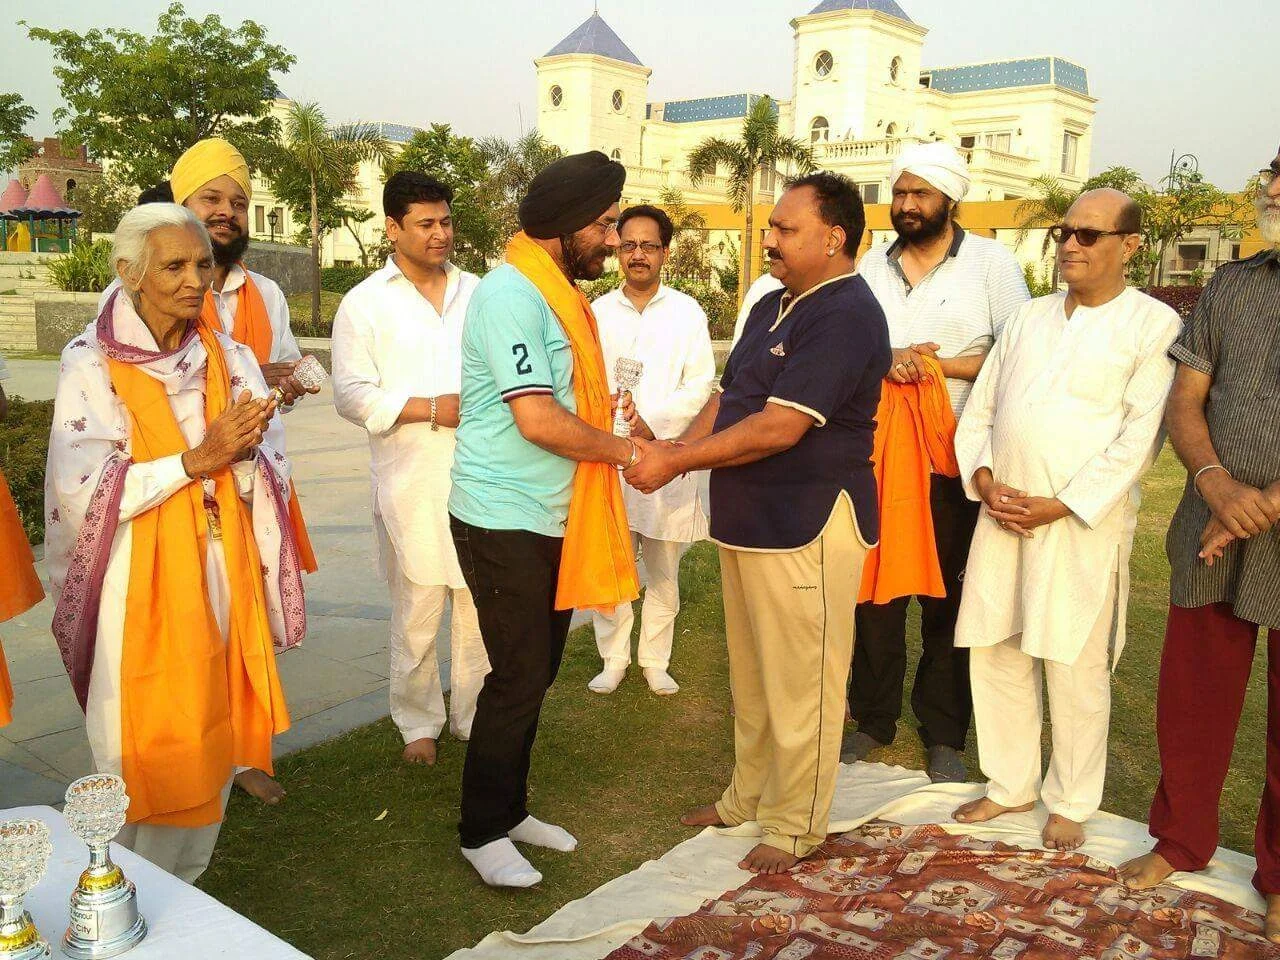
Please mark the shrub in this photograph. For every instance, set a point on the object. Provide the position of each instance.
(342, 279)
(1039, 282)
(1182, 299)
(24, 447)
(85, 268)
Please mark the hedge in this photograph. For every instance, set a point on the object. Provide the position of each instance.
(720, 306)
(342, 279)
(24, 447)
(1182, 299)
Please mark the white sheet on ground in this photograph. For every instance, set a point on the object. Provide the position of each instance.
(706, 866)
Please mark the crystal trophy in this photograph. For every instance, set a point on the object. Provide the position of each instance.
(309, 372)
(24, 854)
(104, 905)
(626, 373)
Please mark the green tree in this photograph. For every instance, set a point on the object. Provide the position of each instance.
(512, 166)
(15, 145)
(317, 167)
(690, 256)
(1046, 204)
(761, 150)
(460, 163)
(102, 201)
(140, 100)
(1184, 201)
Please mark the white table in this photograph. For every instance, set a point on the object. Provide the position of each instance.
(181, 920)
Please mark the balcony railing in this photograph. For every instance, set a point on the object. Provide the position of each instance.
(841, 153)
(655, 180)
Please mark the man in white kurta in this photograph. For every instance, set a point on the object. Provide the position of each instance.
(90, 465)
(397, 372)
(1063, 421)
(665, 330)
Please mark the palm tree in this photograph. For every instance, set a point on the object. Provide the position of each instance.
(761, 149)
(328, 161)
(512, 165)
(1047, 204)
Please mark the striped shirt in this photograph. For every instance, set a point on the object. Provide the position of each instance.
(962, 304)
(1233, 337)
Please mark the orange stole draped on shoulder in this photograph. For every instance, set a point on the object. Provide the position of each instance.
(253, 329)
(597, 565)
(20, 588)
(915, 436)
(192, 706)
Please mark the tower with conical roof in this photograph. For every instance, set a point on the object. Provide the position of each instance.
(857, 65)
(593, 93)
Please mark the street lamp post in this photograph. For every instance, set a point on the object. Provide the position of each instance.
(273, 218)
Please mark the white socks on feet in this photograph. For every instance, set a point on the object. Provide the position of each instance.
(534, 831)
(500, 864)
(607, 680)
(660, 682)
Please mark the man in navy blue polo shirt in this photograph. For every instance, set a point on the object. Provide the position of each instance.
(793, 508)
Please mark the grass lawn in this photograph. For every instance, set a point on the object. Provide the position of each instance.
(614, 770)
(300, 313)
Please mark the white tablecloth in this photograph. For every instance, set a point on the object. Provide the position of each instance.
(182, 922)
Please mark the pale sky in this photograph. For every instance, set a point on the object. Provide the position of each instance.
(1187, 75)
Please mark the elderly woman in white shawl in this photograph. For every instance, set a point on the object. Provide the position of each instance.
(170, 552)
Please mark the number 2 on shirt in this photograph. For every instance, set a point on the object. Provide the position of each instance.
(521, 353)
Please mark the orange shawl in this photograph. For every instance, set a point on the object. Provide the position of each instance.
(253, 329)
(597, 566)
(192, 706)
(20, 588)
(915, 436)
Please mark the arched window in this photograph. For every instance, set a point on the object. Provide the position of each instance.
(823, 64)
(71, 186)
(891, 130)
(557, 96)
(616, 154)
(895, 68)
(819, 130)
(618, 101)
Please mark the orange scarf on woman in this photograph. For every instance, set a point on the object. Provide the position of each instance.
(20, 588)
(915, 437)
(597, 567)
(253, 329)
(192, 706)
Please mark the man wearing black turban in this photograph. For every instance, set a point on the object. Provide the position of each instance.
(535, 434)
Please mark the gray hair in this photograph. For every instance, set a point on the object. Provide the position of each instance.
(130, 251)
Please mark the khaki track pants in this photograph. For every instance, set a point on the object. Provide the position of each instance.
(789, 626)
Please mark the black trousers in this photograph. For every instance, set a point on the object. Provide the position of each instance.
(512, 576)
(940, 696)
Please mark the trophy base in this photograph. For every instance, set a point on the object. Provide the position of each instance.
(22, 943)
(104, 923)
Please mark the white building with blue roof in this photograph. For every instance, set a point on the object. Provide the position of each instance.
(860, 92)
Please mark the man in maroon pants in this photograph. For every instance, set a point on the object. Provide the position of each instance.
(1224, 547)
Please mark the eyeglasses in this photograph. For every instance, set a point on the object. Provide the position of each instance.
(1085, 236)
(608, 226)
(631, 247)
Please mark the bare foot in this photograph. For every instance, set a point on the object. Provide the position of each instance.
(980, 811)
(1062, 834)
(1272, 928)
(1146, 871)
(420, 751)
(705, 816)
(766, 859)
(256, 783)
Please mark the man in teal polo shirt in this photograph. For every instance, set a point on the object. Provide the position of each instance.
(518, 448)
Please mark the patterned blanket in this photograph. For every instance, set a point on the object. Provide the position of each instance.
(887, 890)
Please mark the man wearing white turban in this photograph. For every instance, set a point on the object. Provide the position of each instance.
(946, 294)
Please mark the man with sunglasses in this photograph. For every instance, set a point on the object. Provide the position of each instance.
(665, 330)
(1224, 553)
(1063, 421)
(945, 293)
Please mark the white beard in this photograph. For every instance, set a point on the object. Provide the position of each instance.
(1269, 224)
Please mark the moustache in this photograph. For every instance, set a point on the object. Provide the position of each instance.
(229, 224)
(773, 254)
(638, 263)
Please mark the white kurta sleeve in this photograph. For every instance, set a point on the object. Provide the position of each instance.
(1107, 477)
(696, 378)
(973, 432)
(357, 386)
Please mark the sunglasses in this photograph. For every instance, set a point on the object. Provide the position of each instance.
(1086, 237)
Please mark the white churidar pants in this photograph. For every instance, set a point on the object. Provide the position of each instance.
(1008, 716)
(657, 614)
(417, 698)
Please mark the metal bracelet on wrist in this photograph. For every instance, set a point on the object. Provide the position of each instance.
(434, 425)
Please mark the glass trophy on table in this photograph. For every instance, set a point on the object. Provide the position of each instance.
(24, 854)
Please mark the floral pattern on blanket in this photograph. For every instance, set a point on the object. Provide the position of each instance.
(918, 892)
